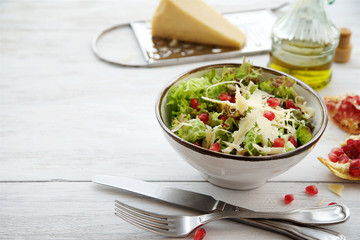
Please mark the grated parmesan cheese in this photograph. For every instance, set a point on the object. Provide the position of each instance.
(257, 102)
(336, 188)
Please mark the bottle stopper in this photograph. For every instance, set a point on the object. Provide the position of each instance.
(343, 51)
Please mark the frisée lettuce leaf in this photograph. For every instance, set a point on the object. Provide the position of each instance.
(179, 96)
(252, 137)
(192, 130)
(281, 87)
(240, 110)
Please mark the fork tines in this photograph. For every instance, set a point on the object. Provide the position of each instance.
(143, 219)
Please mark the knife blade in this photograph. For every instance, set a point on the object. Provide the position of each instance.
(208, 204)
(175, 196)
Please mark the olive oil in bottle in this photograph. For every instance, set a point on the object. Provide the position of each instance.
(304, 42)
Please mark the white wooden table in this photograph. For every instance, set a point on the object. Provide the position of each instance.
(65, 116)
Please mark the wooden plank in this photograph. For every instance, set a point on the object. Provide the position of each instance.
(66, 115)
(63, 210)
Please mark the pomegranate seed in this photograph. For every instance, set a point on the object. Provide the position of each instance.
(337, 151)
(288, 198)
(194, 103)
(223, 117)
(269, 115)
(204, 117)
(273, 102)
(357, 99)
(345, 148)
(215, 147)
(332, 203)
(312, 190)
(343, 159)
(233, 99)
(333, 157)
(225, 97)
(352, 153)
(293, 141)
(279, 142)
(199, 234)
(352, 147)
(354, 169)
(357, 145)
(350, 141)
(197, 144)
(331, 105)
(289, 104)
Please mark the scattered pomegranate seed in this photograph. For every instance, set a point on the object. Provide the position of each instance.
(269, 115)
(194, 103)
(354, 169)
(215, 147)
(290, 104)
(312, 190)
(199, 234)
(332, 203)
(204, 117)
(197, 144)
(293, 141)
(273, 102)
(288, 198)
(233, 99)
(225, 97)
(279, 142)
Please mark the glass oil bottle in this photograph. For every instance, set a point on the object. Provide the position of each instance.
(304, 42)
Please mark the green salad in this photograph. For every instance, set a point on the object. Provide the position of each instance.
(235, 112)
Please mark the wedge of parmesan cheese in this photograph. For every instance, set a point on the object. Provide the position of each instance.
(195, 21)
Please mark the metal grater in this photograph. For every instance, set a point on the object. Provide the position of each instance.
(255, 24)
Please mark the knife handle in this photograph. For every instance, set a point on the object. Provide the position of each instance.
(308, 216)
(294, 231)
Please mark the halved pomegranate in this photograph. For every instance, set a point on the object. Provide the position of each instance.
(344, 161)
(344, 110)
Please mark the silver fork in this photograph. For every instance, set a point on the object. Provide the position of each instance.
(181, 226)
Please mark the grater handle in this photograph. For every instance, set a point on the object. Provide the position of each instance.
(95, 49)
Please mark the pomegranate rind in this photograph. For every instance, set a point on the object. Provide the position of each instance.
(346, 124)
(336, 171)
(334, 167)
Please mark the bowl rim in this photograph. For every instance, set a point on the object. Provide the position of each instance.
(205, 151)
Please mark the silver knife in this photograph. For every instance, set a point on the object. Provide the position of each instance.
(208, 204)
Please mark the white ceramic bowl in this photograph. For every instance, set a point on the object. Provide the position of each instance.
(233, 171)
